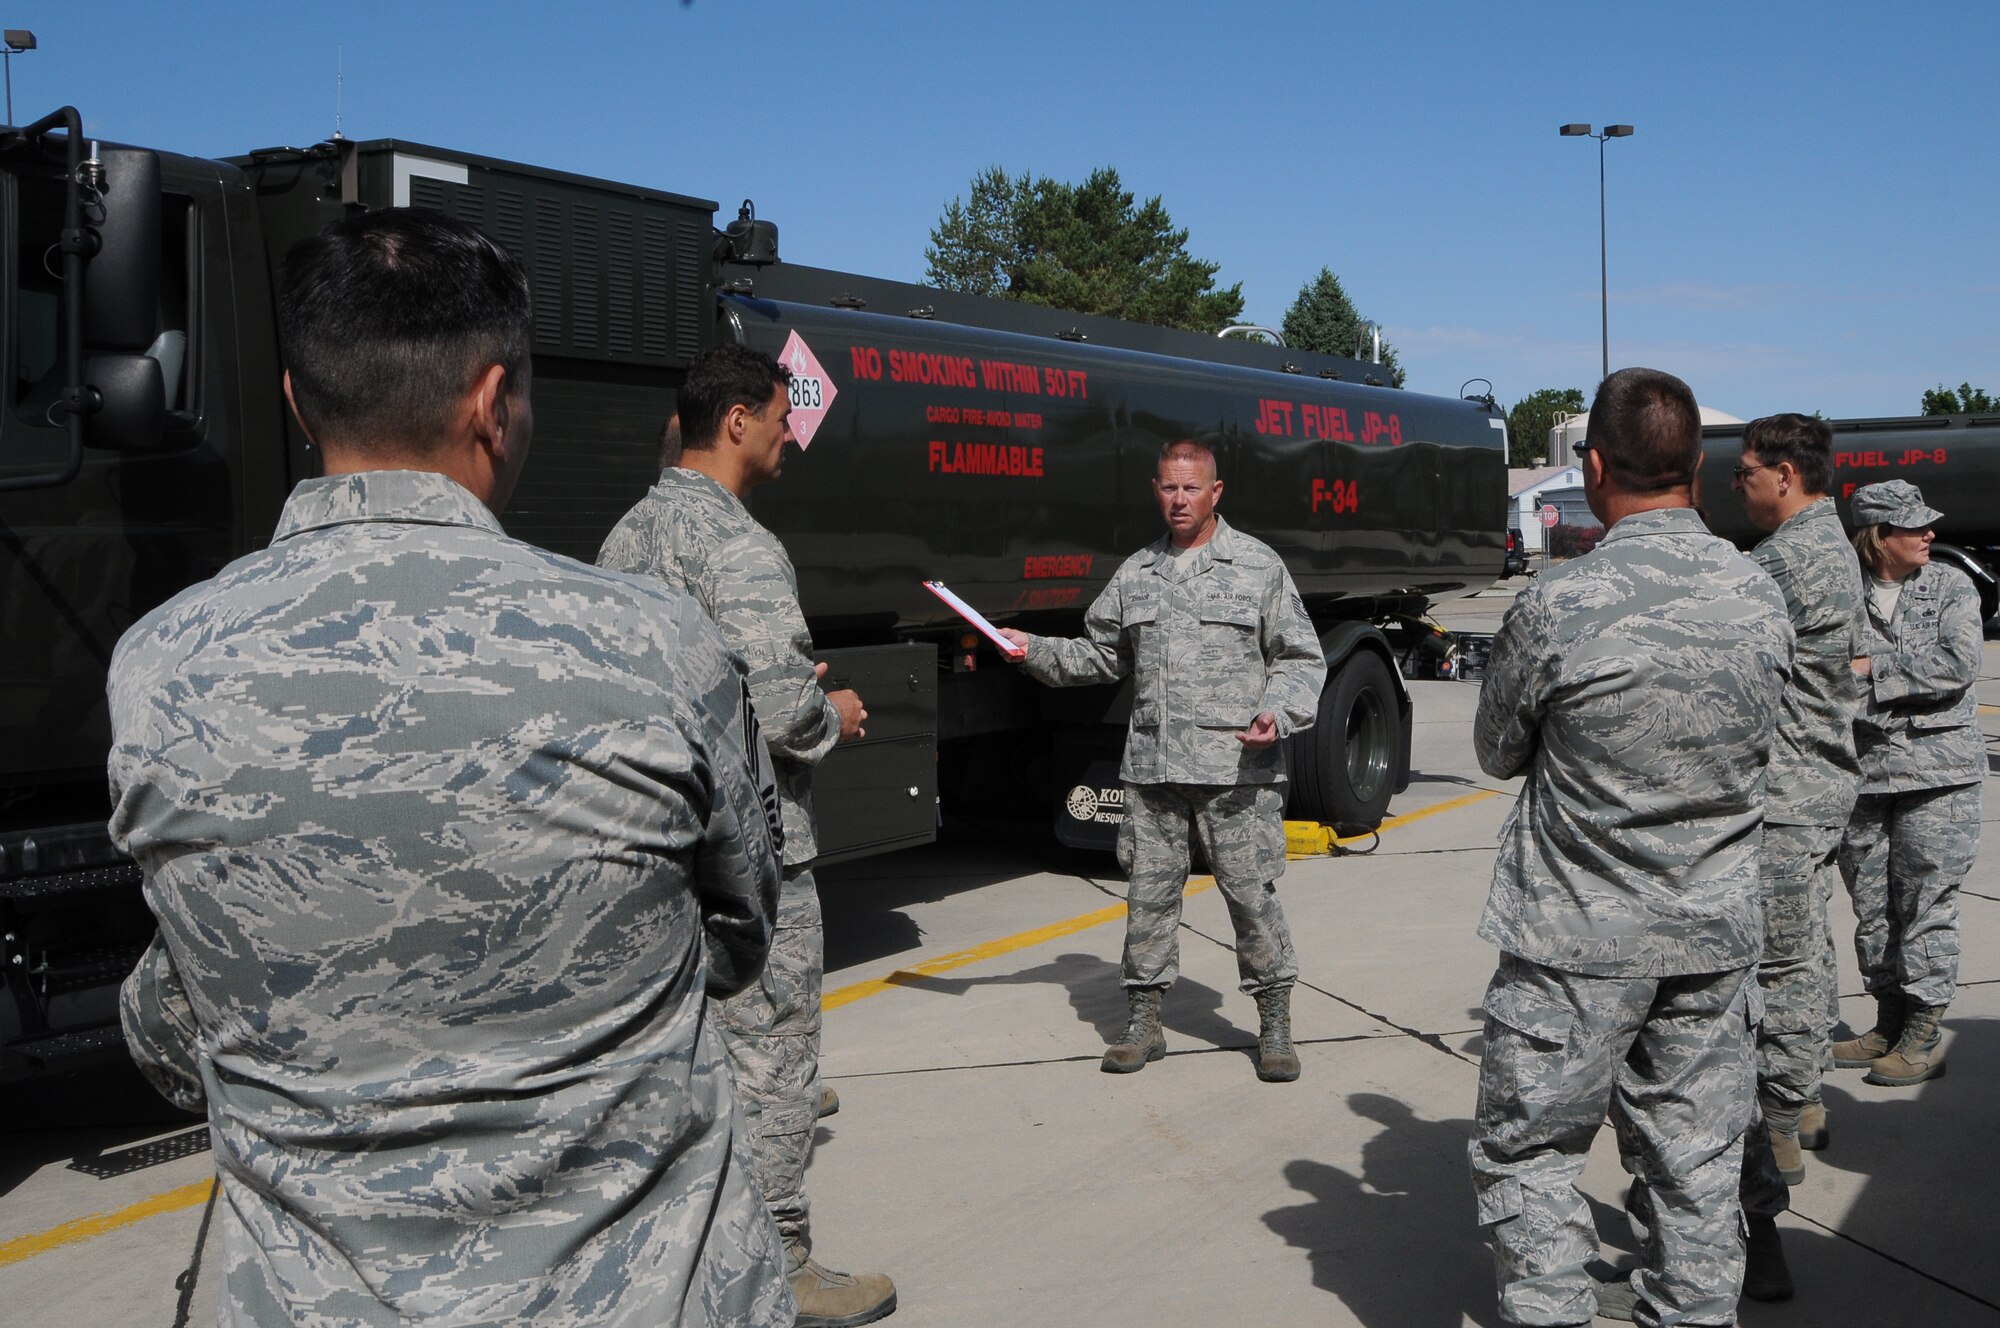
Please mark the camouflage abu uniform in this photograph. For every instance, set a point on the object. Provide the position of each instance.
(446, 834)
(697, 536)
(1637, 689)
(1809, 793)
(1915, 829)
(1213, 636)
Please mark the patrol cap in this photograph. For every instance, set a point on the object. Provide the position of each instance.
(1892, 503)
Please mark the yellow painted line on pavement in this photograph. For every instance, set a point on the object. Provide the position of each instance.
(196, 1193)
(98, 1224)
(1986, 709)
(1450, 805)
(904, 977)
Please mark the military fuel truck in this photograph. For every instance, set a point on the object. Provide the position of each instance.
(998, 447)
(1954, 459)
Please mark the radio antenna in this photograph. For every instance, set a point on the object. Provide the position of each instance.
(339, 81)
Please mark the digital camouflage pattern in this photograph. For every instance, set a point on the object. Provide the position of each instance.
(1914, 833)
(1809, 792)
(1242, 831)
(1903, 859)
(698, 537)
(1636, 689)
(1815, 773)
(695, 535)
(1669, 1057)
(447, 835)
(772, 1034)
(1792, 1040)
(1918, 727)
(1212, 638)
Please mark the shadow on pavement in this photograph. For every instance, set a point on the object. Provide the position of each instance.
(1929, 1158)
(863, 901)
(1192, 1009)
(1397, 1245)
(87, 1118)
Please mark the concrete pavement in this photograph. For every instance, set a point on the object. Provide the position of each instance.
(983, 1160)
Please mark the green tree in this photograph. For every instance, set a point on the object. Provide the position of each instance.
(1323, 319)
(1968, 400)
(1529, 422)
(1091, 247)
(976, 243)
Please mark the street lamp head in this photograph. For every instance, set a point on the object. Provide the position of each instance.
(1580, 130)
(1618, 131)
(18, 39)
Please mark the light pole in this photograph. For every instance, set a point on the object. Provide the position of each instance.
(18, 40)
(1603, 269)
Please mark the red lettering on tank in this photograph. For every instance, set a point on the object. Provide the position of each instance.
(867, 361)
(1343, 496)
(1274, 417)
(1048, 597)
(931, 368)
(984, 459)
(1375, 427)
(1858, 460)
(1007, 376)
(1056, 566)
(1328, 422)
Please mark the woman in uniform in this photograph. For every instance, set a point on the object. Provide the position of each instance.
(1915, 829)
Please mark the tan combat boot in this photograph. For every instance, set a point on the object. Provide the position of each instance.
(1814, 1132)
(1277, 1061)
(1918, 1054)
(1785, 1152)
(1142, 1040)
(1862, 1052)
(829, 1102)
(837, 1300)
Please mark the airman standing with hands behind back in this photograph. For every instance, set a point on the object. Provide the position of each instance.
(1224, 663)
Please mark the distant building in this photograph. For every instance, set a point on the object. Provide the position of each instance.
(1560, 484)
(1560, 487)
(1570, 430)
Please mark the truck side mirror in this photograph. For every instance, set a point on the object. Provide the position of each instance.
(121, 287)
(131, 396)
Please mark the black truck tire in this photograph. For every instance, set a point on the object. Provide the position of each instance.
(1344, 767)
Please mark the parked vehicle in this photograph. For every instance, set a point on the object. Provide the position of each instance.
(1954, 459)
(1002, 448)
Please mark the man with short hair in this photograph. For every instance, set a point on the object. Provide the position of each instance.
(446, 836)
(1637, 689)
(1224, 663)
(1783, 476)
(693, 531)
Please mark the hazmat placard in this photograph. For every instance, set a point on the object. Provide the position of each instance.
(812, 388)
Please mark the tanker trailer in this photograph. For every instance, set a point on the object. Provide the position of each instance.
(1001, 447)
(1954, 459)
(1015, 468)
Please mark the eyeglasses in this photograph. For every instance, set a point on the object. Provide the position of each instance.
(1581, 447)
(1745, 472)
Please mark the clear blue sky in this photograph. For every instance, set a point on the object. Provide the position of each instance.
(1806, 217)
